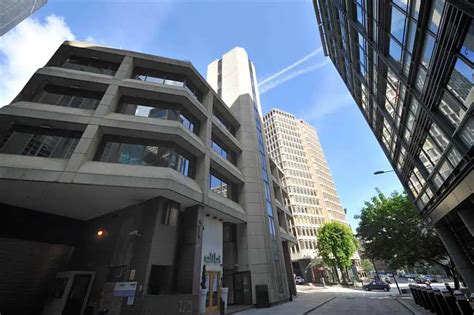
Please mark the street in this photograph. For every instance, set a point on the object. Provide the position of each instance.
(339, 300)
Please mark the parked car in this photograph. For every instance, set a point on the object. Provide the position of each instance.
(299, 280)
(376, 285)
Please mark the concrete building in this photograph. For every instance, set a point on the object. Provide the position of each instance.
(409, 67)
(233, 75)
(312, 197)
(13, 12)
(126, 180)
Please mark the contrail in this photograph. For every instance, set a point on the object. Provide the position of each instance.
(273, 84)
(273, 76)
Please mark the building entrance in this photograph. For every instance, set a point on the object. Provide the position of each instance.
(213, 293)
(242, 288)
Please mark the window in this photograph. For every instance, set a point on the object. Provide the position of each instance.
(68, 97)
(170, 213)
(428, 49)
(451, 109)
(461, 80)
(467, 47)
(223, 121)
(435, 17)
(221, 186)
(94, 65)
(223, 152)
(467, 134)
(167, 78)
(130, 151)
(395, 50)
(41, 142)
(157, 109)
(398, 24)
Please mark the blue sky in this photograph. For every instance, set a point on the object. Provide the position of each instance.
(275, 35)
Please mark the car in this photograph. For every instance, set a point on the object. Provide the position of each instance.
(299, 280)
(376, 285)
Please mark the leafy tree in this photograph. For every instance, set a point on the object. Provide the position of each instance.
(336, 245)
(391, 229)
(367, 265)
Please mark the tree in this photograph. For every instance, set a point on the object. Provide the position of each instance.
(391, 229)
(336, 245)
(367, 265)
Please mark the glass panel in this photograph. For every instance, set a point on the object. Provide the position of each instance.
(432, 150)
(467, 49)
(420, 79)
(395, 50)
(461, 80)
(411, 36)
(428, 49)
(467, 134)
(438, 136)
(401, 3)
(451, 109)
(436, 12)
(398, 24)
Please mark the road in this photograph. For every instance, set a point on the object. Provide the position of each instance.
(338, 300)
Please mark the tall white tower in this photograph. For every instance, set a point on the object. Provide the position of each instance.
(234, 75)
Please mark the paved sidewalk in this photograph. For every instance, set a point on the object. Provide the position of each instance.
(338, 300)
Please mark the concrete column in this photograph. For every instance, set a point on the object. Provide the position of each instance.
(467, 217)
(125, 70)
(463, 264)
(109, 101)
(289, 268)
(203, 162)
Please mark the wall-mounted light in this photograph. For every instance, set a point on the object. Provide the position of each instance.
(100, 233)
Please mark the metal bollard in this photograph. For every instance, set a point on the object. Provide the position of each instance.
(463, 303)
(412, 290)
(431, 302)
(424, 301)
(443, 307)
(451, 301)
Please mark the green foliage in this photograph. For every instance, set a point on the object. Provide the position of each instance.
(367, 265)
(336, 244)
(391, 229)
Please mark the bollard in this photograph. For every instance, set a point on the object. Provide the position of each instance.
(442, 306)
(431, 302)
(412, 290)
(463, 303)
(434, 302)
(422, 297)
(451, 301)
(427, 304)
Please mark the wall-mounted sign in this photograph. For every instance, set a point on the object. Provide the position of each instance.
(125, 288)
(212, 258)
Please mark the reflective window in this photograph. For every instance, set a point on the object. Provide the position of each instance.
(435, 17)
(131, 151)
(451, 109)
(68, 97)
(395, 50)
(411, 36)
(402, 4)
(167, 78)
(432, 150)
(398, 24)
(220, 186)
(157, 109)
(42, 142)
(461, 80)
(428, 49)
(467, 49)
(438, 136)
(467, 134)
(223, 151)
(94, 65)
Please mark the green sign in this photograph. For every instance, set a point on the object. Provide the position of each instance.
(212, 258)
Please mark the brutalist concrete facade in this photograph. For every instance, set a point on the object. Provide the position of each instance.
(129, 168)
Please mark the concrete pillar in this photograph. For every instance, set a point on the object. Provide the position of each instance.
(289, 268)
(463, 264)
(467, 217)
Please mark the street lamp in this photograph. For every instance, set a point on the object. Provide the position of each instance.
(382, 172)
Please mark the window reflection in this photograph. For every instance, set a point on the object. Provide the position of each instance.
(451, 109)
(461, 80)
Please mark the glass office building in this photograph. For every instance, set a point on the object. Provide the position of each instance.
(408, 66)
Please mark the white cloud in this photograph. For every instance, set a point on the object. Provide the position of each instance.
(25, 49)
(288, 73)
(282, 79)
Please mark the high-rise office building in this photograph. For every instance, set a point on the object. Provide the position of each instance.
(13, 12)
(234, 75)
(127, 180)
(312, 197)
(409, 67)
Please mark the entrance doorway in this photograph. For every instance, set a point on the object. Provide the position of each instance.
(242, 288)
(213, 293)
(70, 293)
